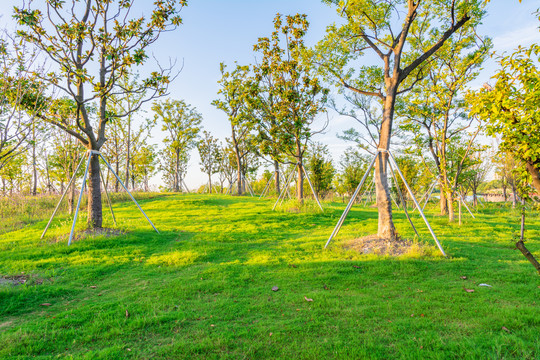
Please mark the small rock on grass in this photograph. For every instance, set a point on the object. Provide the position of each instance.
(275, 288)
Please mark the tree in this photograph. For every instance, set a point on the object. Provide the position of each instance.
(209, 151)
(17, 84)
(510, 108)
(478, 173)
(297, 93)
(227, 164)
(128, 103)
(144, 165)
(94, 44)
(234, 89)
(353, 167)
(182, 123)
(321, 168)
(403, 54)
(65, 155)
(435, 112)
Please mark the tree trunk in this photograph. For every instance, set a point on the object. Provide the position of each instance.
(450, 203)
(505, 195)
(300, 183)
(71, 198)
(276, 177)
(95, 216)
(521, 246)
(300, 179)
(442, 200)
(209, 183)
(535, 174)
(386, 228)
(34, 166)
(514, 195)
(177, 179)
(128, 149)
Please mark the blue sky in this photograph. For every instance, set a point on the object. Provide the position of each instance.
(217, 31)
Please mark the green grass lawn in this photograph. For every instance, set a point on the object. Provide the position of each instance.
(202, 287)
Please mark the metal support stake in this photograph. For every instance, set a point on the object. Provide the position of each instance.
(466, 207)
(107, 195)
(248, 185)
(349, 205)
(416, 202)
(266, 187)
(62, 197)
(80, 198)
(368, 193)
(131, 196)
(283, 180)
(288, 183)
(185, 186)
(311, 186)
(430, 193)
(285, 186)
(402, 199)
(426, 194)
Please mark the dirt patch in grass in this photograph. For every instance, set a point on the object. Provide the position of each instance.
(80, 235)
(372, 244)
(21, 279)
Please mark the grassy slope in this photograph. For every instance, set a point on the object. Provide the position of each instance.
(202, 288)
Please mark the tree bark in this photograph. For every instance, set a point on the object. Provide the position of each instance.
(514, 195)
(117, 158)
(177, 172)
(34, 166)
(276, 177)
(128, 149)
(300, 176)
(386, 228)
(535, 174)
(442, 201)
(521, 245)
(95, 215)
(209, 183)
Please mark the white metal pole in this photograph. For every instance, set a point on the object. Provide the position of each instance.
(80, 198)
(62, 198)
(349, 205)
(131, 196)
(466, 207)
(107, 195)
(402, 198)
(416, 202)
(311, 186)
(285, 186)
(266, 187)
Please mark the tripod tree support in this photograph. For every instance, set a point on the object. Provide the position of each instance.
(91, 153)
(285, 186)
(348, 208)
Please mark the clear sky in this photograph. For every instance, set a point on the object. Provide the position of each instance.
(217, 31)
